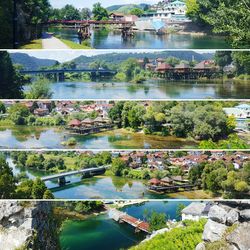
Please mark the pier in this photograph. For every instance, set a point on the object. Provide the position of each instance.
(170, 189)
(90, 130)
(123, 217)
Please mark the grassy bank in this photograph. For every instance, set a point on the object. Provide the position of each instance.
(34, 44)
(73, 45)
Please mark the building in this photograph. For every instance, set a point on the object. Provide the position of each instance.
(196, 210)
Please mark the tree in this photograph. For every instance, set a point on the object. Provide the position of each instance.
(228, 17)
(38, 189)
(99, 12)
(17, 113)
(7, 180)
(2, 108)
(156, 221)
(137, 12)
(40, 90)
(223, 58)
(85, 14)
(241, 60)
(117, 166)
(48, 195)
(69, 12)
(10, 82)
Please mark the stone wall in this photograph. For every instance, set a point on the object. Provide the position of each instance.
(228, 226)
(27, 225)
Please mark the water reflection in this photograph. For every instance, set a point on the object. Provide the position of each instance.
(157, 89)
(112, 39)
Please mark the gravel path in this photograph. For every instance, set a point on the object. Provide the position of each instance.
(51, 42)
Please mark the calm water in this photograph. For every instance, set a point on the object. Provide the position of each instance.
(101, 232)
(104, 39)
(159, 89)
(51, 138)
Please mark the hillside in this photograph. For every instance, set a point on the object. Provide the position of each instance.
(117, 58)
(30, 62)
(125, 8)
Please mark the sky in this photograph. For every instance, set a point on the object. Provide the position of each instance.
(67, 55)
(89, 3)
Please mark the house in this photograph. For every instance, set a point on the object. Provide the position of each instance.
(131, 18)
(163, 68)
(75, 123)
(116, 16)
(154, 182)
(87, 122)
(167, 181)
(196, 210)
(182, 68)
(204, 66)
(41, 112)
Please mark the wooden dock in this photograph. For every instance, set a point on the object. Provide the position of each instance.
(123, 217)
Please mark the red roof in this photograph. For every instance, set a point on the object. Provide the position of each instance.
(75, 122)
(154, 181)
(164, 66)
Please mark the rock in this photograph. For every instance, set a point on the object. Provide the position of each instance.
(240, 237)
(213, 231)
(245, 214)
(218, 214)
(27, 226)
(201, 246)
(232, 217)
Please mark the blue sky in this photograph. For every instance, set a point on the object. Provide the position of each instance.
(89, 3)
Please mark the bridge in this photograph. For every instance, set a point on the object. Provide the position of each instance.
(60, 73)
(86, 173)
(122, 217)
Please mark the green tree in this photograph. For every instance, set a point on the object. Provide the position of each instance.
(7, 180)
(48, 195)
(137, 12)
(156, 221)
(223, 58)
(69, 12)
(40, 90)
(117, 166)
(38, 189)
(18, 112)
(99, 12)
(10, 82)
(2, 108)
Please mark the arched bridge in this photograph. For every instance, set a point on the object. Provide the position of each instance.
(86, 173)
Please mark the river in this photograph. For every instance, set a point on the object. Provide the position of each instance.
(154, 89)
(101, 232)
(100, 187)
(105, 39)
(28, 137)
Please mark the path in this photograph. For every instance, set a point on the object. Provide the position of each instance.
(51, 42)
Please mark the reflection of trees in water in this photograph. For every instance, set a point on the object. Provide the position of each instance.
(22, 134)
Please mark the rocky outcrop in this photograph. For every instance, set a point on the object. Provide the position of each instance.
(228, 226)
(27, 225)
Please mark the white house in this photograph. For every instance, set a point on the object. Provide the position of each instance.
(196, 210)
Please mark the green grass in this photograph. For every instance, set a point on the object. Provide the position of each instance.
(34, 44)
(74, 45)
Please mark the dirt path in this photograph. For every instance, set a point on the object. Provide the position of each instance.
(51, 42)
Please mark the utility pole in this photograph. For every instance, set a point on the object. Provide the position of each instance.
(15, 42)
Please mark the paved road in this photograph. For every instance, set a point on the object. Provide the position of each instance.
(50, 42)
